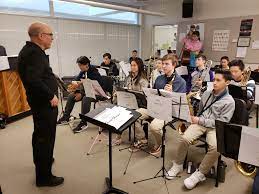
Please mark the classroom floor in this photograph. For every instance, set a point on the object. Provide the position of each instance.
(85, 174)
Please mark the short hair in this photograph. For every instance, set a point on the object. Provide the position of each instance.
(201, 56)
(197, 33)
(171, 57)
(83, 60)
(238, 63)
(225, 73)
(107, 55)
(134, 51)
(224, 57)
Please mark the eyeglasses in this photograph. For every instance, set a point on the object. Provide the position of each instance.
(49, 34)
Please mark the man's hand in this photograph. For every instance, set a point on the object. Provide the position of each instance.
(195, 120)
(168, 87)
(78, 96)
(54, 101)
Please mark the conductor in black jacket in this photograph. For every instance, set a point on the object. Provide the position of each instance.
(41, 89)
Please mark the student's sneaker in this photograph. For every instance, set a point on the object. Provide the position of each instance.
(63, 120)
(82, 126)
(194, 179)
(174, 171)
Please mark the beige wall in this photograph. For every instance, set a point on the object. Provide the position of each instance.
(203, 10)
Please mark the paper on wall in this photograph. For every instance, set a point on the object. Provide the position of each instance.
(257, 94)
(249, 143)
(255, 44)
(220, 40)
(241, 52)
(4, 63)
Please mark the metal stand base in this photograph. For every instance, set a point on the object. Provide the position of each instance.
(112, 189)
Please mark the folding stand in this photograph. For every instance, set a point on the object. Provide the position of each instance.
(89, 117)
(163, 169)
(97, 139)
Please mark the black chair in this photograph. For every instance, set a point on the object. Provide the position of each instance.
(239, 117)
(2, 51)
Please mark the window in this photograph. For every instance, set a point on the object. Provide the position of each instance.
(80, 11)
(25, 6)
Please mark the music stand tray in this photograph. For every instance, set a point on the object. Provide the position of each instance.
(89, 117)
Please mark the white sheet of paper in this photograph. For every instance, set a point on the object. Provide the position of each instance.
(182, 70)
(159, 107)
(126, 99)
(88, 87)
(249, 143)
(4, 63)
(125, 68)
(98, 89)
(209, 86)
(116, 116)
(241, 52)
(255, 44)
(257, 94)
(102, 71)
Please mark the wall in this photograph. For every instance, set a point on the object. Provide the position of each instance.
(232, 24)
(72, 39)
(203, 10)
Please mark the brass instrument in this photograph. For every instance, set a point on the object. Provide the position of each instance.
(245, 169)
(246, 76)
(197, 95)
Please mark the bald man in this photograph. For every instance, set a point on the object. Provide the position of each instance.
(41, 90)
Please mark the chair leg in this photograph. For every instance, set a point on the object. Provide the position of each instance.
(217, 177)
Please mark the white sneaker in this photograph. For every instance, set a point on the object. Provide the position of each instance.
(174, 171)
(194, 179)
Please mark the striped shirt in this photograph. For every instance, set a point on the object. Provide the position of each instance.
(250, 87)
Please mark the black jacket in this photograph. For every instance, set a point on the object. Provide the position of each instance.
(113, 70)
(36, 75)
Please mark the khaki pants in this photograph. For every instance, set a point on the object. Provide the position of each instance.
(193, 132)
(156, 127)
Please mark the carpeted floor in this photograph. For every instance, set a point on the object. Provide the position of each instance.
(85, 174)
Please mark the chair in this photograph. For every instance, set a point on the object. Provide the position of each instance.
(239, 117)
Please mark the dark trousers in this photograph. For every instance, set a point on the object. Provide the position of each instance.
(70, 104)
(43, 140)
(86, 103)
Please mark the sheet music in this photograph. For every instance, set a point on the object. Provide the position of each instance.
(182, 70)
(88, 87)
(116, 116)
(4, 63)
(249, 143)
(98, 89)
(174, 97)
(127, 100)
(125, 68)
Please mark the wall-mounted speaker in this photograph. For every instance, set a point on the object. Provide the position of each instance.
(187, 8)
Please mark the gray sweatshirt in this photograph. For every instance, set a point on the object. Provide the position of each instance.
(130, 84)
(222, 110)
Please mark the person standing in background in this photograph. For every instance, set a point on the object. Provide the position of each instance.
(42, 91)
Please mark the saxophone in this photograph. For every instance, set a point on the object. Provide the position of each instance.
(197, 95)
(246, 76)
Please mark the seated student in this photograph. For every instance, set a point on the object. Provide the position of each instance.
(134, 55)
(201, 74)
(237, 69)
(135, 81)
(217, 104)
(156, 72)
(109, 66)
(77, 92)
(224, 63)
(170, 81)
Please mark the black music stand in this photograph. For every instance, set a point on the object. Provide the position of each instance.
(175, 119)
(89, 117)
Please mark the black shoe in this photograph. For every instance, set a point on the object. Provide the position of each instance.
(80, 127)
(51, 182)
(63, 120)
